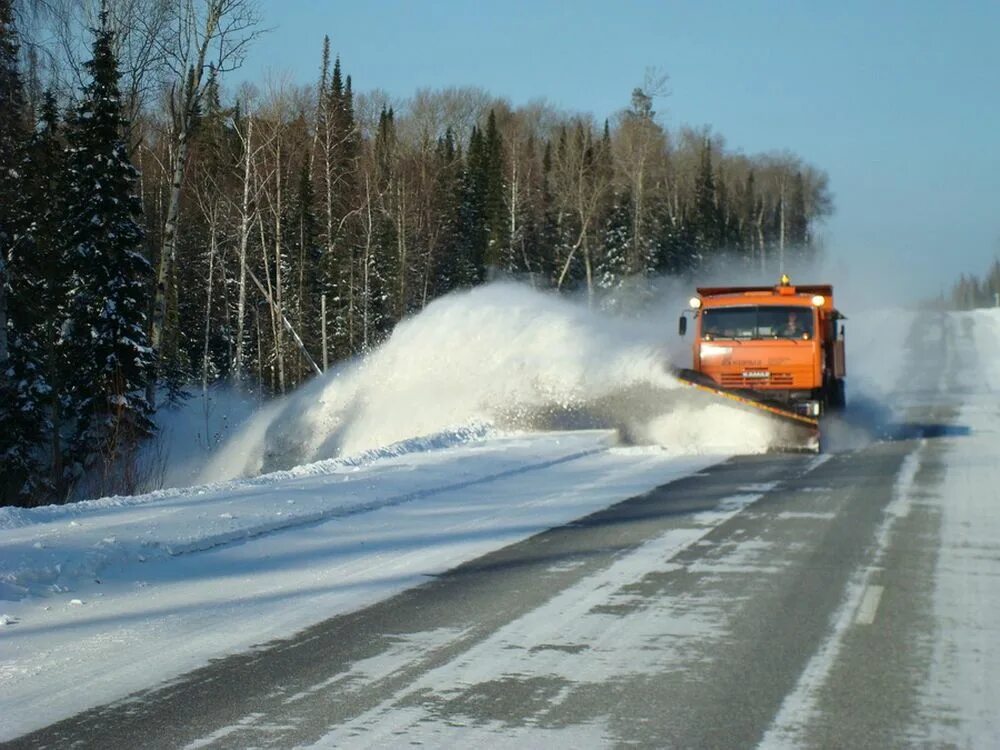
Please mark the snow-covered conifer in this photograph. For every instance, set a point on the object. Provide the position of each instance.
(616, 240)
(12, 136)
(105, 327)
(21, 387)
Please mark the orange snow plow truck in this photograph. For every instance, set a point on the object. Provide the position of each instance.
(776, 350)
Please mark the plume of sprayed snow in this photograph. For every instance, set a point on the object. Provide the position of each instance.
(713, 428)
(500, 356)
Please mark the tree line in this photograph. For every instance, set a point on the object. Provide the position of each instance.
(971, 292)
(160, 232)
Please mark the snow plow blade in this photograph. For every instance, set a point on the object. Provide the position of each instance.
(794, 432)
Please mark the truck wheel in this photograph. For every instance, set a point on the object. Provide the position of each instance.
(836, 397)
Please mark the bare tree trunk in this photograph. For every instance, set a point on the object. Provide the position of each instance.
(569, 258)
(212, 244)
(301, 291)
(260, 349)
(781, 231)
(227, 322)
(284, 322)
(245, 220)
(352, 303)
(279, 331)
(275, 323)
(366, 288)
(760, 239)
(401, 247)
(513, 203)
(168, 248)
(635, 264)
(329, 267)
(223, 27)
(322, 326)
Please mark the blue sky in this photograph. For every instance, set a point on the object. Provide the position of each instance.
(898, 101)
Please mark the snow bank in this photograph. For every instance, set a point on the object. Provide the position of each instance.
(50, 550)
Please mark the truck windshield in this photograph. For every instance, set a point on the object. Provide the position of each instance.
(756, 323)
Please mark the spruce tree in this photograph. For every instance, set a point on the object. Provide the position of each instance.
(707, 219)
(110, 361)
(12, 138)
(37, 300)
(472, 233)
(616, 240)
(494, 201)
(307, 248)
(548, 234)
(442, 268)
(45, 189)
(341, 263)
(21, 387)
(385, 271)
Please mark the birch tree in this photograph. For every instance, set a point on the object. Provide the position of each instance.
(582, 185)
(640, 149)
(206, 39)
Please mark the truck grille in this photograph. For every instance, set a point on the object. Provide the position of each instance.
(773, 379)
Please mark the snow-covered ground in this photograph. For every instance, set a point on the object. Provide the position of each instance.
(105, 597)
(119, 593)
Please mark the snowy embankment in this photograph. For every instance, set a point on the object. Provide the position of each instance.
(52, 549)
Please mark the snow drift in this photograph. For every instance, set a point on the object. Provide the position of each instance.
(500, 357)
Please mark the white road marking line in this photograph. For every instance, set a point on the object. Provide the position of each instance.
(816, 462)
(869, 605)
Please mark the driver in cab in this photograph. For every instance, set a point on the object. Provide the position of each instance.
(794, 327)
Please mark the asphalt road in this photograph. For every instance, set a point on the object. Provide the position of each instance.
(761, 601)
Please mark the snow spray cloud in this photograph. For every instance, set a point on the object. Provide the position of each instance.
(501, 356)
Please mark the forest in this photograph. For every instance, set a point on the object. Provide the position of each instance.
(971, 292)
(166, 225)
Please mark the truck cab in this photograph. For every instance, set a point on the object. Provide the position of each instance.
(784, 343)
